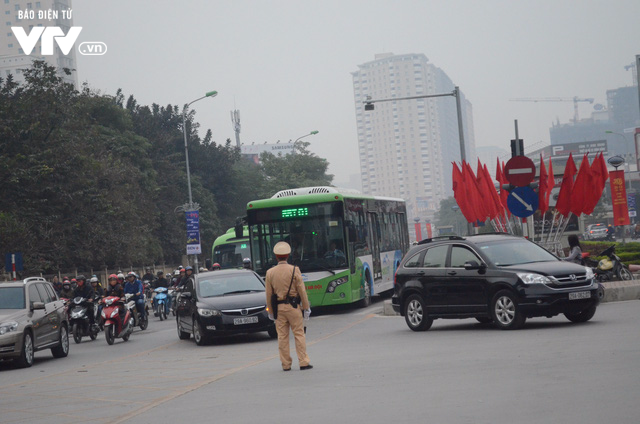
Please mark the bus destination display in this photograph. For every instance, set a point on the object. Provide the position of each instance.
(295, 212)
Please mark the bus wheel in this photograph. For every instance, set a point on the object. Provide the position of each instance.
(366, 300)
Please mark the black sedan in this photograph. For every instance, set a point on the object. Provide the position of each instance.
(223, 303)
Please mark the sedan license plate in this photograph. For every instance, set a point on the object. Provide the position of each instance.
(245, 320)
(579, 295)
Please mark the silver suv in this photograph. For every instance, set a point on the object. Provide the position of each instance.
(32, 318)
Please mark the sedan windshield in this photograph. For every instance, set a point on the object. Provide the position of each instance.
(515, 252)
(11, 298)
(229, 284)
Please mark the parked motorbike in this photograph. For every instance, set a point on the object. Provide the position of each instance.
(115, 326)
(138, 320)
(79, 320)
(161, 300)
(609, 269)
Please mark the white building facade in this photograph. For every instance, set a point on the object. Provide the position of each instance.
(27, 15)
(407, 147)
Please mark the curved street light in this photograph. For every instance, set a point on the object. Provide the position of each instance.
(306, 135)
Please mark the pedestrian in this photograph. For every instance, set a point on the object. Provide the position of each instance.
(575, 255)
(285, 282)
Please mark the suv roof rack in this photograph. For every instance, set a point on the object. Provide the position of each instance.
(30, 279)
(429, 240)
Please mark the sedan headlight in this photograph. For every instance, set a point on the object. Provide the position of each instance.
(209, 312)
(529, 278)
(7, 327)
(335, 283)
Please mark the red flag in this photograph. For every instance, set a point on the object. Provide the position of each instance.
(473, 195)
(543, 202)
(600, 174)
(581, 187)
(563, 205)
(551, 183)
(459, 193)
(492, 190)
(485, 193)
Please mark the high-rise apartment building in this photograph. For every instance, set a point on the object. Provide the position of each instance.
(27, 15)
(407, 147)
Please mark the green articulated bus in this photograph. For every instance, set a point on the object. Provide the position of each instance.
(229, 250)
(347, 245)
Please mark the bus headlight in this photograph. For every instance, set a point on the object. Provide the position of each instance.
(335, 283)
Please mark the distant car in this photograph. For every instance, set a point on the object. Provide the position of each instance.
(223, 303)
(32, 318)
(595, 232)
(495, 278)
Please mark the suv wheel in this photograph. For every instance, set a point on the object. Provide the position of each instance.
(62, 350)
(26, 356)
(582, 316)
(505, 311)
(415, 313)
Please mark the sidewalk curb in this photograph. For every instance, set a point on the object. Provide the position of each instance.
(614, 291)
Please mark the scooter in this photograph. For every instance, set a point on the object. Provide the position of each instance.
(161, 302)
(79, 320)
(609, 269)
(114, 326)
(138, 320)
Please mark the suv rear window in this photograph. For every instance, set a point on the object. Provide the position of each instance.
(414, 262)
(12, 298)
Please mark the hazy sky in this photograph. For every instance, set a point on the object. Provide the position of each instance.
(286, 65)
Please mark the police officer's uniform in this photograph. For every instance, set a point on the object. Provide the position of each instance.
(278, 280)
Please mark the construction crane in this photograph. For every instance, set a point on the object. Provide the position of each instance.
(575, 101)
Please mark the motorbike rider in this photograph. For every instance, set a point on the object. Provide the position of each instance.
(246, 263)
(86, 291)
(160, 282)
(67, 291)
(115, 289)
(188, 275)
(97, 287)
(57, 285)
(576, 251)
(148, 275)
(134, 286)
(121, 279)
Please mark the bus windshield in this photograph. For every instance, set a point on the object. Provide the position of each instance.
(317, 243)
(230, 255)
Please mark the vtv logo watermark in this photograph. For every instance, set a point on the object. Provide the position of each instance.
(65, 42)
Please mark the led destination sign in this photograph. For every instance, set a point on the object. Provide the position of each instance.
(295, 212)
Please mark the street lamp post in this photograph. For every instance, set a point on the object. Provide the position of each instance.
(191, 206)
(626, 162)
(306, 135)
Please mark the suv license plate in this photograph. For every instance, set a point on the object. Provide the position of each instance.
(579, 295)
(249, 320)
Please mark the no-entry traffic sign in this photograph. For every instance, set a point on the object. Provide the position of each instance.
(520, 171)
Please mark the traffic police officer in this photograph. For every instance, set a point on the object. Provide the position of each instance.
(279, 280)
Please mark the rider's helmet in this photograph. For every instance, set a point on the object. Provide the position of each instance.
(66, 284)
(246, 263)
(180, 267)
(120, 276)
(176, 273)
(188, 269)
(81, 278)
(160, 273)
(113, 278)
(132, 274)
(182, 270)
(215, 266)
(94, 279)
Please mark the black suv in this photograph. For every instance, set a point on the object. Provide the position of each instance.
(495, 278)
